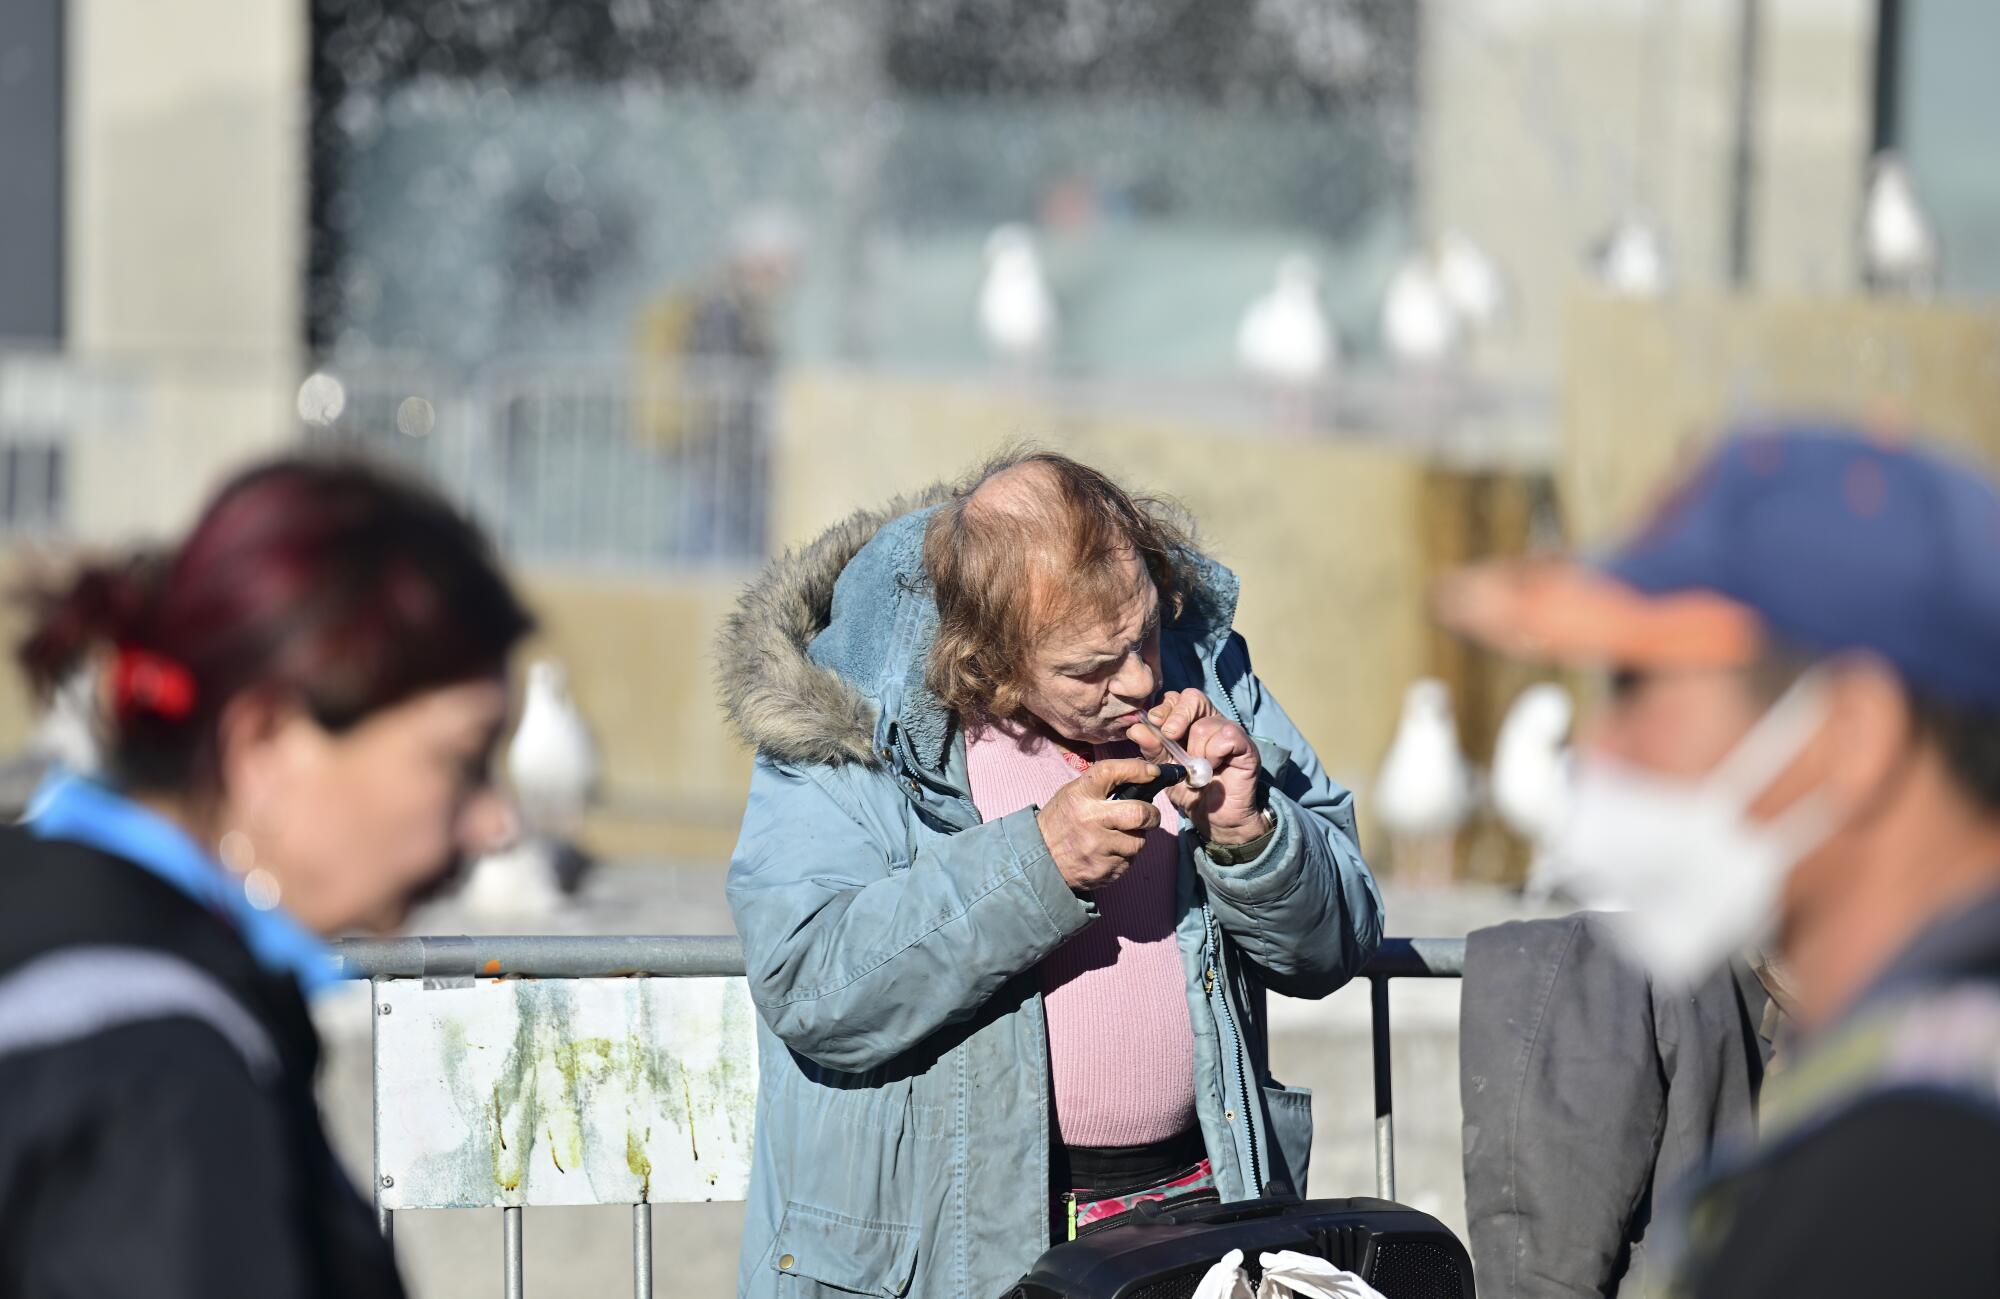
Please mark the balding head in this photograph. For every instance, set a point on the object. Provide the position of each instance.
(1021, 509)
(1038, 548)
(1019, 489)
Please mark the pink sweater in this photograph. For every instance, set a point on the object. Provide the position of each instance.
(1120, 1044)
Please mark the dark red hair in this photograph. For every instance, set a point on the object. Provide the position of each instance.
(334, 581)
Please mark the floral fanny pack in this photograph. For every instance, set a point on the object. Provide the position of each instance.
(1088, 1209)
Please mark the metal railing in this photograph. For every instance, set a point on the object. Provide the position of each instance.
(603, 463)
(634, 462)
(1399, 958)
(459, 960)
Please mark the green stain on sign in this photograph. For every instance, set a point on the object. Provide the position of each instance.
(639, 1162)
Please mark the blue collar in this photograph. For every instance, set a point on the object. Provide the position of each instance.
(71, 808)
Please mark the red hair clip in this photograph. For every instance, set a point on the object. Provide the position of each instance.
(145, 682)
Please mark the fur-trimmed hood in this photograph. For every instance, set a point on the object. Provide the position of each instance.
(833, 635)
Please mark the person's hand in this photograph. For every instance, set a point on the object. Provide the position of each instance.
(1224, 811)
(1092, 838)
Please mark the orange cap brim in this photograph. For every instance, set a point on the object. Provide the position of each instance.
(1564, 612)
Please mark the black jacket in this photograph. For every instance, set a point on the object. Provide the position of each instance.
(158, 1130)
(1877, 1172)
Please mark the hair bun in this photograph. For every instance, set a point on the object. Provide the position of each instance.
(101, 605)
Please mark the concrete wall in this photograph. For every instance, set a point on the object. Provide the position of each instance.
(187, 174)
(185, 239)
(1544, 121)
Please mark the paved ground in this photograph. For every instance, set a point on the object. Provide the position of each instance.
(1324, 1045)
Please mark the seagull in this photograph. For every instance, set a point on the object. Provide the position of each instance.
(1424, 792)
(1631, 260)
(552, 765)
(1017, 313)
(1284, 337)
(1531, 774)
(1471, 281)
(519, 881)
(1899, 249)
(1419, 325)
(551, 760)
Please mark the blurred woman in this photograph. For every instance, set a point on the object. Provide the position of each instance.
(299, 706)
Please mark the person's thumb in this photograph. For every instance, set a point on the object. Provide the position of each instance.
(1113, 772)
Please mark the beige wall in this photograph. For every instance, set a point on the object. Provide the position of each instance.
(640, 655)
(1649, 384)
(17, 710)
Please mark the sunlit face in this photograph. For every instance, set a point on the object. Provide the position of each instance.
(1088, 676)
(1677, 724)
(359, 826)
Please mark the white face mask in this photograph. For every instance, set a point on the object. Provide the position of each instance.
(1700, 877)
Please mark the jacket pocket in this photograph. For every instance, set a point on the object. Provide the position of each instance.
(830, 1253)
(1291, 1128)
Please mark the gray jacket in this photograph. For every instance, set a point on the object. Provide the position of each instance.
(892, 938)
(1589, 1094)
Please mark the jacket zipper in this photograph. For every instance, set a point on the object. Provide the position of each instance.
(1228, 1012)
(1242, 1058)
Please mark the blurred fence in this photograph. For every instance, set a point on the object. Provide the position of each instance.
(603, 464)
(612, 464)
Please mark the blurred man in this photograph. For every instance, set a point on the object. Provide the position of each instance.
(735, 320)
(707, 360)
(1801, 737)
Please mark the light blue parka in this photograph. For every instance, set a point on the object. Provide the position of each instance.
(904, 1119)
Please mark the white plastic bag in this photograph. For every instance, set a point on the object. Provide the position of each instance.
(1226, 1280)
(1289, 1275)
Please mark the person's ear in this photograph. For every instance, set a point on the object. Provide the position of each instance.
(1867, 730)
(260, 739)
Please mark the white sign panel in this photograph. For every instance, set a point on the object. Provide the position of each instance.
(564, 1091)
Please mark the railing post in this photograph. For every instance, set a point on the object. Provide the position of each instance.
(385, 1219)
(1385, 1111)
(642, 1251)
(510, 1263)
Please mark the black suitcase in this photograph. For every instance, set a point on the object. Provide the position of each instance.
(1157, 1253)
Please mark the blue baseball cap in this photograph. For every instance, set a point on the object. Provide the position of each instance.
(1817, 539)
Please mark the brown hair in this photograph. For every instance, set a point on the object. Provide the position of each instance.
(1072, 530)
